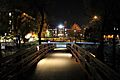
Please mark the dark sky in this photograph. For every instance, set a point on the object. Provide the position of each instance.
(81, 11)
(58, 11)
(73, 11)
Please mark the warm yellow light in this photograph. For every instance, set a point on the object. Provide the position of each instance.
(28, 35)
(110, 36)
(60, 48)
(95, 17)
(104, 36)
(56, 61)
(47, 33)
(67, 55)
(117, 36)
(93, 55)
(24, 13)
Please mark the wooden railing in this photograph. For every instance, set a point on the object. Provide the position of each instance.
(13, 65)
(96, 69)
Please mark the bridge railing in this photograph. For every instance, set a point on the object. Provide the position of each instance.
(15, 64)
(96, 69)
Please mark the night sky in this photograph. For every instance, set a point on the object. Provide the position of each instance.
(72, 11)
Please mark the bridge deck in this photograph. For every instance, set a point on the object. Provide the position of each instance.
(59, 65)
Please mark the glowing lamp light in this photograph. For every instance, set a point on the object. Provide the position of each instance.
(24, 13)
(28, 35)
(60, 26)
(95, 17)
(10, 14)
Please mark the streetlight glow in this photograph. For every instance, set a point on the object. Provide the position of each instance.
(95, 17)
(24, 13)
(10, 14)
(60, 26)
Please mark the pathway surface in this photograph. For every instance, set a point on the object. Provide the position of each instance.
(58, 65)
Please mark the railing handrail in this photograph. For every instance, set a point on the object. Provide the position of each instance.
(18, 52)
(24, 61)
(93, 63)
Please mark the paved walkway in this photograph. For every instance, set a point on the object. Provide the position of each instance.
(58, 66)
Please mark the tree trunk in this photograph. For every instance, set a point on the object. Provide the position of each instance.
(41, 25)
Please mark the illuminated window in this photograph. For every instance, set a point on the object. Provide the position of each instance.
(10, 22)
(10, 14)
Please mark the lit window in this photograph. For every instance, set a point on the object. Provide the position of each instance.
(10, 21)
(10, 14)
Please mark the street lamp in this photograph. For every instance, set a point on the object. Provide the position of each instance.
(61, 31)
(95, 17)
(60, 26)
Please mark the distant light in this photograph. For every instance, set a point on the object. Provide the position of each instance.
(31, 39)
(38, 48)
(66, 35)
(60, 34)
(104, 36)
(117, 36)
(10, 14)
(95, 17)
(110, 36)
(114, 28)
(24, 13)
(47, 31)
(48, 41)
(117, 29)
(28, 35)
(74, 30)
(68, 55)
(61, 45)
(60, 26)
(81, 34)
(10, 22)
(93, 55)
(60, 49)
(65, 29)
(5, 34)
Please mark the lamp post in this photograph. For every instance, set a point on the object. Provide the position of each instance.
(100, 51)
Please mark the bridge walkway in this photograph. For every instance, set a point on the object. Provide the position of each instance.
(58, 65)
